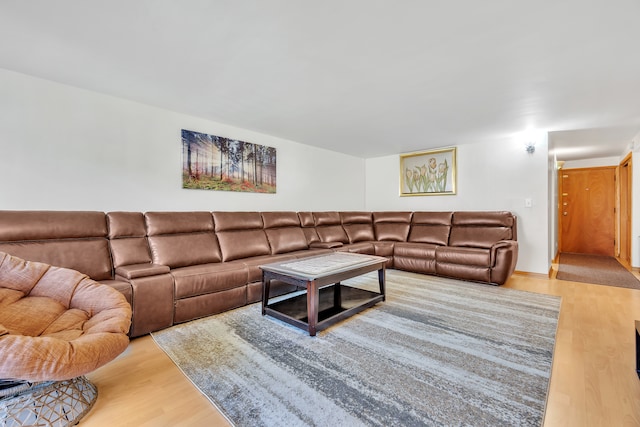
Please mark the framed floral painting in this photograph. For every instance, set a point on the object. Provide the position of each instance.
(428, 173)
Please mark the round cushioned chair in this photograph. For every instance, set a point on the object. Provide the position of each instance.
(56, 325)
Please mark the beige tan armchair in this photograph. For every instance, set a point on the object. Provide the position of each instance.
(56, 324)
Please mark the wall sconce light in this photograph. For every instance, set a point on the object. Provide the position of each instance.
(530, 147)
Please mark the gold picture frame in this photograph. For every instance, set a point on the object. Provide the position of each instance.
(428, 173)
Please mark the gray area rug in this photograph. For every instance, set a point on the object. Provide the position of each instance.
(436, 352)
(595, 269)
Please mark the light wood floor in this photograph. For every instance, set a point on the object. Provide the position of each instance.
(593, 382)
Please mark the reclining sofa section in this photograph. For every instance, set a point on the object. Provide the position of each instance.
(173, 267)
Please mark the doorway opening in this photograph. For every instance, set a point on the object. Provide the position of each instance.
(595, 212)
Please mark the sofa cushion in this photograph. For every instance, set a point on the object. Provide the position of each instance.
(358, 226)
(280, 219)
(287, 239)
(243, 244)
(89, 256)
(306, 219)
(465, 256)
(284, 232)
(434, 234)
(253, 264)
(132, 250)
(207, 278)
(177, 222)
(359, 232)
(240, 235)
(70, 239)
(415, 250)
(481, 218)
(310, 252)
(228, 221)
(181, 250)
(478, 237)
(180, 239)
(326, 218)
(127, 238)
(481, 229)
(207, 304)
(366, 248)
(356, 217)
(403, 217)
(416, 257)
(332, 233)
(430, 227)
(50, 225)
(126, 224)
(392, 226)
(464, 272)
(57, 323)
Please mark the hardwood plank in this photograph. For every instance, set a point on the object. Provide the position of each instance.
(593, 380)
(143, 387)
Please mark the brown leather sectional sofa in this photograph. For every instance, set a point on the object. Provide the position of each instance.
(177, 266)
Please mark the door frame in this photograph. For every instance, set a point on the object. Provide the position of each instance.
(624, 230)
(620, 232)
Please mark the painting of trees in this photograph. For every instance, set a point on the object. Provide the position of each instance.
(211, 162)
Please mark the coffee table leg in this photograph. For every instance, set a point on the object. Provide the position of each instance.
(337, 295)
(266, 284)
(312, 307)
(381, 279)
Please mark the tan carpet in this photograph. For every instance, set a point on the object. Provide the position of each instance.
(597, 269)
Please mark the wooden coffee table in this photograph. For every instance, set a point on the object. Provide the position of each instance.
(326, 301)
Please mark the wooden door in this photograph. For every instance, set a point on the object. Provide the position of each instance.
(587, 211)
(624, 184)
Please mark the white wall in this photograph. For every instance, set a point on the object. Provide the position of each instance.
(64, 148)
(69, 149)
(491, 176)
(592, 163)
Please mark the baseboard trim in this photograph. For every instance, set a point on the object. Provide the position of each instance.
(530, 274)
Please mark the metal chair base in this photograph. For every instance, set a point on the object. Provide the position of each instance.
(49, 403)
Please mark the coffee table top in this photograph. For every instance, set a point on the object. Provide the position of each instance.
(323, 265)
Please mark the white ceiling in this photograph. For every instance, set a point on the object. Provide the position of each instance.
(363, 77)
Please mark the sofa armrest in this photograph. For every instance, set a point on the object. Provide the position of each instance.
(504, 256)
(135, 271)
(325, 245)
(152, 296)
(508, 245)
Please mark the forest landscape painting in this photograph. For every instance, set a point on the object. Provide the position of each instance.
(211, 162)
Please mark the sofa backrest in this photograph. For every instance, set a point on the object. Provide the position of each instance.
(482, 229)
(128, 238)
(430, 227)
(392, 226)
(240, 235)
(284, 232)
(180, 239)
(308, 225)
(329, 227)
(70, 239)
(358, 226)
